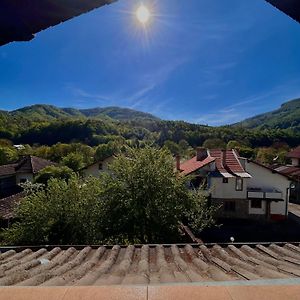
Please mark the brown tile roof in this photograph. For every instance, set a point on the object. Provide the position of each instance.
(147, 264)
(8, 204)
(8, 169)
(27, 164)
(295, 153)
(193, 165)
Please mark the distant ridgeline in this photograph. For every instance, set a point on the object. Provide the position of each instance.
(287, 116)
(47, 125)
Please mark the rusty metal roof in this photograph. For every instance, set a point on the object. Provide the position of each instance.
(20, 20)
(147, 264)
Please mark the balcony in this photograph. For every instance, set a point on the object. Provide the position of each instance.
(263, 193)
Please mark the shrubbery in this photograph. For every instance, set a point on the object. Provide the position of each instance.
(141, 200)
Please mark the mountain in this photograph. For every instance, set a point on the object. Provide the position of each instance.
(116, 113)
(49, 125)
(43, 112)
(287, 116)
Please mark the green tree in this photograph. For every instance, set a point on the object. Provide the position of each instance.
(104, 151)
(246, 152)
(172, 147)
(214, 144)
(74, 161)
(49, 172)
(146, 199)
(62, 213)
(233, 145)
(7, 155)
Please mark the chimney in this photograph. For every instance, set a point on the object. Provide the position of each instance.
(178, 162)
(201, 153)
(224, 158)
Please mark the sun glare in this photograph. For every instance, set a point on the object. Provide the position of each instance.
(143, 14)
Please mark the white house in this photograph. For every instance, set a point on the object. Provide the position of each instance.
(242, 187)
(293, 170)
(96, 168)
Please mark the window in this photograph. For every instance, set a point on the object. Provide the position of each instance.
(100, 166)
(256, 203)
(225, 180)
(239, 184)
(229, 206)
(198, 182)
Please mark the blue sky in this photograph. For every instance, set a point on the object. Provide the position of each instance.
(211, 62)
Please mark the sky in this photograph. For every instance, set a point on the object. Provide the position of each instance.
(210, 62)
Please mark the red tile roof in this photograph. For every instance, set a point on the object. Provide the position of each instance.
(295, 153)
(192, 165)
(227, 161)
(230, 167)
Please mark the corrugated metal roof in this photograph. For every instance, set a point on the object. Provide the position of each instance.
(148, 264)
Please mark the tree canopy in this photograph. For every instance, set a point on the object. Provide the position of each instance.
(141, 200)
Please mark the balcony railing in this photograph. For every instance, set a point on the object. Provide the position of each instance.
(260, 193)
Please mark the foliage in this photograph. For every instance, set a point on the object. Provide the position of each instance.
(49, 172)
(61, 213)
(214, 144)
(141, 200)
(7, 155)
(48, 125)
(104, 151)
(74, 161)
(146, 200)
(271, 155)
(287, 116)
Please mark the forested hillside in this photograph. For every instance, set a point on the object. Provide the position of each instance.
(48, 125)
(287, 116)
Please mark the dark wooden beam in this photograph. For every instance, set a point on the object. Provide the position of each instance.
(289, 7)
(20, 20)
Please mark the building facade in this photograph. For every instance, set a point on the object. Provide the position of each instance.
(241, 187)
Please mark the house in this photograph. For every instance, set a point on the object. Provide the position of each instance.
(96, 168)
(293, 170)
(243, 188)
(23, 170)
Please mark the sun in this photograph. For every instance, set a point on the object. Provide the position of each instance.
(143, 14)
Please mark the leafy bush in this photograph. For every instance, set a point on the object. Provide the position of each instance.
(49, 172)
(141, 200)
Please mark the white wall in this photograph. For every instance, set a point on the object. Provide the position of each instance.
(258, 211)
(222, 190)
(264, 178)
(93, 170)
(295, 162)
(27, 176)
